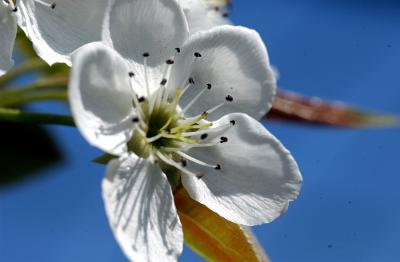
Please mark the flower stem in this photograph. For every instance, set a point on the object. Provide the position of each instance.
(30, 65)
(53, 88)
(18, 116)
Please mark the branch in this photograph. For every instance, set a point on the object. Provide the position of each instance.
(18, 116)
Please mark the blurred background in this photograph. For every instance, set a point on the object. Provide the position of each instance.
(348, 209)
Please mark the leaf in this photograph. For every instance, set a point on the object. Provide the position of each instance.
(25, 150)
(290, 107)
(104, 159)
(213, 237)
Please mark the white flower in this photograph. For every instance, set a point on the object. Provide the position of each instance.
(164, 104)
(8, 29)
(204, 14)
(56, 28)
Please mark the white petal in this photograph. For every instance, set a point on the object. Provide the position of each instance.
(57, 32)
(8, 30)
(141, 211)
(200, 16)
(101, 97)
(258, 175)
(145, 26)
(235, 61)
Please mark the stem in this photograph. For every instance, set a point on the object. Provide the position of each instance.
(50, 88)
(17, 116)
(21, 100)
(32, 64)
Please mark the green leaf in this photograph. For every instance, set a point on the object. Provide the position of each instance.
(24, 151)
(104, 159)
(305, 110)
(213, 237)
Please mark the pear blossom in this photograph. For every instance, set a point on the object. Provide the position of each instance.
(179, 110)
(205, 14)
(56, 28)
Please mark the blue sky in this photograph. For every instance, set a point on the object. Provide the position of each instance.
(347, 210)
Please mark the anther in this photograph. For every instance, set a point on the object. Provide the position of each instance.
(233, 122)
(191, 80)
(131, 74)
(184, 162)
(225, 15)
(229, 98)
(163, 82)
(169, 62)
(218, 167)
(53, 5)
(135, 119)
(197, 54)
(141, 99)
(204, 136)
(209, 86)
(15, 9)
(224, 139)
(146, 54)
(178, 50)
(199, 175)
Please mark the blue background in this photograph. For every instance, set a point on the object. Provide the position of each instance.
(348, 209)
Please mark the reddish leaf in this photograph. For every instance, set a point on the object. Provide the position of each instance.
(214, 238)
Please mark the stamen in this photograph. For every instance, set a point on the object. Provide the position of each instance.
(136, 103)
(224, 139)
(195, 160)
(12, 5)
(208, 130)
(52, 5)
(145, 56)
(154, 138)
(194, 100)
(174, 164)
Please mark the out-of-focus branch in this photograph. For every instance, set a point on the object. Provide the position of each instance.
(291, 107)
(18, 116)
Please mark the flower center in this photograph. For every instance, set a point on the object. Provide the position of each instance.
(164, 135)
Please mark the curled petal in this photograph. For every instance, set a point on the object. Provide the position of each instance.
(141, 210)
(8, 29)
(101, 97)
(234, 61)
(57, 28)
(257, 175)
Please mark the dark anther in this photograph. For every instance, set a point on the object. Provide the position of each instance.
(204, 136)
(131, 74)
(169, 62)
(199, 175)
(218, 167)
(163, 82)
(53, 5)
(178, 49)
(209, 86)
(141, 99)
(233, 122)
(225, 15)
(229, 98)
(184, 162)
(146, 54)
(191, 80)
(197, 54)
(224, 139)
(216, 8)
(204, 114)
(15, 9)
(135, 120)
